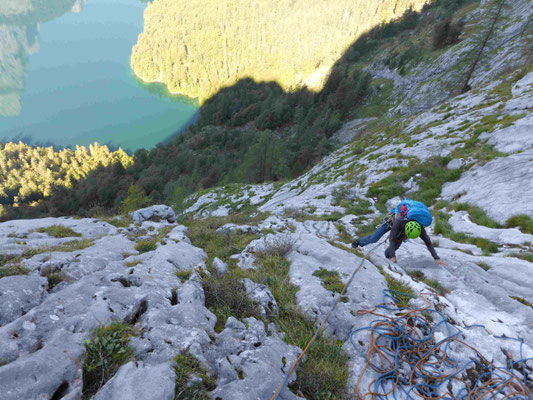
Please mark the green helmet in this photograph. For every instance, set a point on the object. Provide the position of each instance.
(412, 229)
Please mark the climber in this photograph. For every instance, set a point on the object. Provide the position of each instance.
(407, 221)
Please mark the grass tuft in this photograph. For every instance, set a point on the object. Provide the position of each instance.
(59, 231)
(522, 222)
(184, 274)
(144, 246)
(186, 366)
(330, 279)
(13, 269)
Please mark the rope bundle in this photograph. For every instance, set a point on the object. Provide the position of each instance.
(412, 363)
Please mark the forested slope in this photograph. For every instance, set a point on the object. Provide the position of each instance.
(196, 48)
(254, 132)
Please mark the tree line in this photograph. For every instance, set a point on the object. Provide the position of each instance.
(249, 132)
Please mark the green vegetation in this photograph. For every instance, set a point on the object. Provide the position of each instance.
(186, 366)
(29, 174)
(331, 280)
(184, 274)
(105, 351)
(522, 221)
(54, 276)
(131, 264)
(477, 215)
(134, 200)
(59, 231)
(483, 265)
(400, 291)
(144, 246)
(527, 256)
(419, 275)
(443, 227)
(521, 300)
(288, 42)
(13, 269)
(226, 296)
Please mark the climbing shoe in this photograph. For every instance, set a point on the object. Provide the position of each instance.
(355, 243)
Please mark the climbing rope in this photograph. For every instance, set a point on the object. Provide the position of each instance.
(279, 390)
(412, 358)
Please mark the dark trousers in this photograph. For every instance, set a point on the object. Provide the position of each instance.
(378, 234)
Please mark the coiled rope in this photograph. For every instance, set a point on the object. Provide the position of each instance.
(411, 363)
(284, 383)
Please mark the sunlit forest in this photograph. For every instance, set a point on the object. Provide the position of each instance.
(30, 173)
(198, 47)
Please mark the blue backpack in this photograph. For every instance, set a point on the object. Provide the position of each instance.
(414, 210)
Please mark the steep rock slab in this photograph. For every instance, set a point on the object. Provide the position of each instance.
(503, 187)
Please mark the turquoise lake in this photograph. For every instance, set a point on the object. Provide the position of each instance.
(65, 76)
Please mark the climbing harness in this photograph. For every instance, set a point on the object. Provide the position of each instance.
(278, 391)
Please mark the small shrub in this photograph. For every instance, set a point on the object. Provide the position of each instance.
(187, 366)
(278, 246)
(522, 222)
(55, 277)
(136, 199)
(13, 269)
(330, 279)
(339, 194)
(131, 264)
(143, 246)
(184, 274)
(105, 351)
(226, 296)
(333, 217)
(59, 231)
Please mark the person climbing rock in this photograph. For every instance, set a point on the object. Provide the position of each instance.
(407, 221)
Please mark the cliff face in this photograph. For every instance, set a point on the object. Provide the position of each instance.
(196, 49)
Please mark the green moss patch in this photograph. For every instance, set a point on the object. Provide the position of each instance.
(59, 231)
(330, 279)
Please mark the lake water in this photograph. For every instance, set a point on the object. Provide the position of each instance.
(65, 76)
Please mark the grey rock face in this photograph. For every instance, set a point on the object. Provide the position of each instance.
(220, 266)
(136, 381)
(156, 213)
(260, 359)
(261, 295)
(19, 294)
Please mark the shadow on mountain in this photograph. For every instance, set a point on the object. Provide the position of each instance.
(249, 132)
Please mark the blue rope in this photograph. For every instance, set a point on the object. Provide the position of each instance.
(417, 354)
